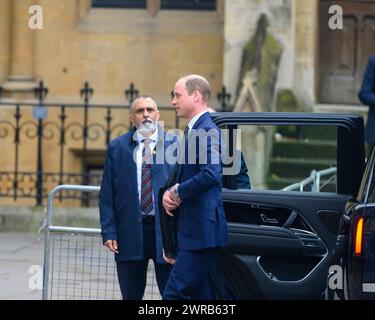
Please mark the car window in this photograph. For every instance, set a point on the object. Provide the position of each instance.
(286, 157)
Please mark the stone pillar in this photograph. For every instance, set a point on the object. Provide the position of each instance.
(5, 11)
(306, 42)
(83, 7)
(153, 7)
(239, 22)
(21, 81)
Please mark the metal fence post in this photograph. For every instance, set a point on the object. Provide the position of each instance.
(131, 94)
(224, 98)
(86, 92)
(40, 113)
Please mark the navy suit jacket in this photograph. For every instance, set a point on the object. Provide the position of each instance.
(242, 178)
(367, 97)
(119, 207)
(201, 220)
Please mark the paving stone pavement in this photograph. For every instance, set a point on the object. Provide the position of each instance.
(19, 254)
(21, 265)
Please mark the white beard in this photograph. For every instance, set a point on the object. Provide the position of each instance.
(147, 128)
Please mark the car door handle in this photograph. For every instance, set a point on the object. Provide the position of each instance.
(268, 220)
(291, 219)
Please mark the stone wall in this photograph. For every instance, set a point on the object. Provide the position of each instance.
(110, 48)
(294, 23)
(241, 18)
(306, 48)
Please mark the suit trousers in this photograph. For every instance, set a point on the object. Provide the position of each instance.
(132, 274)
(192, 274)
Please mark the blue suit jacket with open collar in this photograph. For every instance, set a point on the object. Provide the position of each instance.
(120, 214)
(367, 96)
(201, 221)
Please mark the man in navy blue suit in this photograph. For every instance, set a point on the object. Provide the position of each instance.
(241, 180)
(128, 200)
(201, 223)
(367, 97)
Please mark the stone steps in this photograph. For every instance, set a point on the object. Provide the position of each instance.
(299, 150)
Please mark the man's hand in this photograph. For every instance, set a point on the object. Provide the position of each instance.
(168, 260)
(174, 193)
(111, 245)
(169, 203)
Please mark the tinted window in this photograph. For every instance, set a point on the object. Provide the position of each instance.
(119, 3)
(295, 158)
(189, 4)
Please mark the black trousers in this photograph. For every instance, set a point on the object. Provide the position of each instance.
(132, 275)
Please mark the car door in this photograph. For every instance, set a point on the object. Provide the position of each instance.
(357, 263)
(281, 241)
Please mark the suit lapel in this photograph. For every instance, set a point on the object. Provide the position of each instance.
(159, 147)
(203, 117)
(129, 148)
(188, 142)
(196, 126)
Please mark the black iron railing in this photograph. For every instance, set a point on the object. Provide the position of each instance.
(32, 134)
(68, 126)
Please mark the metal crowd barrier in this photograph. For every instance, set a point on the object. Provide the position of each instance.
(313, 181)
(76, 264)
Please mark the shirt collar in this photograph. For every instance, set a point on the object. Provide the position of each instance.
(195, 119)
(153, 137)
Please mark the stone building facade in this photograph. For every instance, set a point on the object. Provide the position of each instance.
(267, 47)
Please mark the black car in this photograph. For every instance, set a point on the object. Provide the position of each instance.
(306, 228)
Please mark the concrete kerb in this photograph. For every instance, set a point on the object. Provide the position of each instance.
(30, 219)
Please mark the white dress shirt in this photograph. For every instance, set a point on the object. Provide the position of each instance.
(194, 120)
(140, 139)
